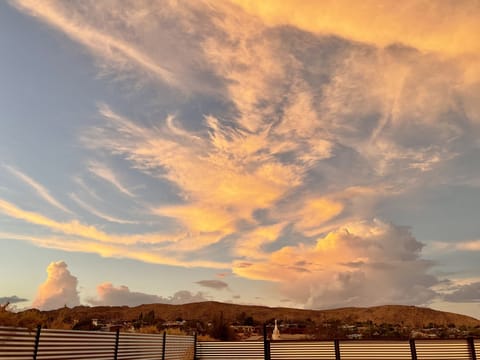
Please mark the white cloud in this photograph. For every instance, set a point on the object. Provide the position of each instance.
(58, 290)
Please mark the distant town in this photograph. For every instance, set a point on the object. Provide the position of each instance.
(247, 329)
(221, 321)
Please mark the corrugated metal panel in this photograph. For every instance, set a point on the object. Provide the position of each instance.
(140, 346)
(357, 350)
(442, 350)
(248, 350)
(302, 350)
(75, 345)
(16, 344)
(19, 344)
(179, 347)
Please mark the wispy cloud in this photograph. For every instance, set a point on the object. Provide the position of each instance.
(105, 173)
(115, 50)
(38, 188)
(116, 250)
(98, 213)
(88, 189)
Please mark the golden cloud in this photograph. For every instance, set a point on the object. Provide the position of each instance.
(449, 27)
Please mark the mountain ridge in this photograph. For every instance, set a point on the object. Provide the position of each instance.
(408, 315)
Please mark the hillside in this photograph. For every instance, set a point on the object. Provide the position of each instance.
(205, 311)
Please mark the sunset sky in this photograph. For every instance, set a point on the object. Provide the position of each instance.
(315, 154)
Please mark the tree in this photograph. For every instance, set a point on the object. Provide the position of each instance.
(221, 330)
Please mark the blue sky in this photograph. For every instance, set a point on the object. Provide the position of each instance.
(280, 154)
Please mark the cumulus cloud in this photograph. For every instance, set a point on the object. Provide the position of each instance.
(11, 299)
(58, 290)
(108, 294)
(213, 284)
(465, 293)
(362, 264)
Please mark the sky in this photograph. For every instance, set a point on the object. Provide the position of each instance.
(282, 153)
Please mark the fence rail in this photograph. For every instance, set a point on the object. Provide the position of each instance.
(46, 344)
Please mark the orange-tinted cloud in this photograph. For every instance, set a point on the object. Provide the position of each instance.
(447, 26)
(354, 265)
(58, 290)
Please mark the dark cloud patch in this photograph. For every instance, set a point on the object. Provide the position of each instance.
(11, 299)
(465, 293)
(213, 284)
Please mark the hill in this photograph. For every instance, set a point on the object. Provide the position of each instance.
(411, 316)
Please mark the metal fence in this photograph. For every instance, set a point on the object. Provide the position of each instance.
(45, 344)
(341, 350)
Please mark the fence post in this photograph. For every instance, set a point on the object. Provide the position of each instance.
(266, 343)
(413, 349)
(195, 346)
(336, 343)
(164, 344)
(37, 342)
(471, 348)
(117, 340)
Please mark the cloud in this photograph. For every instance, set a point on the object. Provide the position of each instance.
(213, 284)
(364, 263)
(465, 293)
(154, 254)
(11, 299)
(58, 290)
(414, 23)
(39, 189)
(473, 245)
(118, 53)
(108, 175)
(108, 294)
(98, 213)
